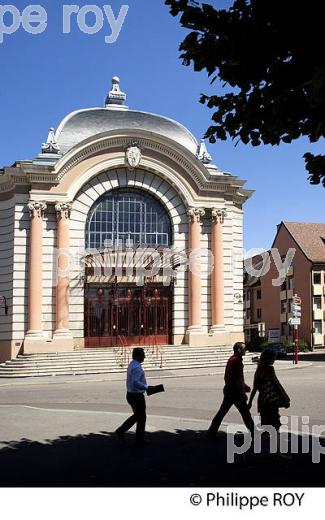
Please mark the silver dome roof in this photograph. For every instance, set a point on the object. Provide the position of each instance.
(83, 124)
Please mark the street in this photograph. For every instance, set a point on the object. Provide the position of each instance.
(61, 431)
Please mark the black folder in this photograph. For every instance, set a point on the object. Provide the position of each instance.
(155, 389)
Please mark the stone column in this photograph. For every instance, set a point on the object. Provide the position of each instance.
(35, 282)
(195, 216)
(217, 275)
(63, 211)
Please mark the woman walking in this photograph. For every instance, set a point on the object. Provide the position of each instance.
(272, 395)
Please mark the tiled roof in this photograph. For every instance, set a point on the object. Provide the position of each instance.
(310, 237)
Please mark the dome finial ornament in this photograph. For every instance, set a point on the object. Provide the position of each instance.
(203, 154)
(51, 145)
(115, 95)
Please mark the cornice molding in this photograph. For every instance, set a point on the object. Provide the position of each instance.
(198, 172)
(204, 183)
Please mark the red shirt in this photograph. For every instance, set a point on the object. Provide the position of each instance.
(234, 374)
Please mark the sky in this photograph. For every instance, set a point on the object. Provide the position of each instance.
(44, 77)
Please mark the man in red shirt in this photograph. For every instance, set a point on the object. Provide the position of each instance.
(234, 392)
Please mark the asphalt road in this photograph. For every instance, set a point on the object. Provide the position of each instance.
(188, 397)
(61, 434)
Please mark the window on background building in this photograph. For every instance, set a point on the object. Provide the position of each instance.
(283, 307)
(283, 330)
(248, 296)
(317, 279)
(290, 283)
(248, 313)
(290, 305)
(259, 314)
(259, 294)
(284, 286)
(318, 326)
(317, 302)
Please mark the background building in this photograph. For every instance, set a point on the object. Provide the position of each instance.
(269, 307)
(111, 178)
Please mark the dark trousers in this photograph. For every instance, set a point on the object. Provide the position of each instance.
(237, 398)
(138, 405)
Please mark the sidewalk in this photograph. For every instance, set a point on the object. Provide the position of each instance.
(152, 374)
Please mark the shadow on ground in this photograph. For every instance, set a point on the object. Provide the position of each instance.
(184, 458)
(313, 356)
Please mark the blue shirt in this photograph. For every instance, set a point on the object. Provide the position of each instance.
(136, 380)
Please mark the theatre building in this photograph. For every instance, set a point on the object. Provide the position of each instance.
(108, 183)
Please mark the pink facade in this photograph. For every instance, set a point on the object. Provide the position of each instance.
(275, 300)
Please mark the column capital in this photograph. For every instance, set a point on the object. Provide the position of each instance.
(36, 208)
(195, 214)
(63, 209)
(219, 215)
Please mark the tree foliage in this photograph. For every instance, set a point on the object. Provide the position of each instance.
(270, 53)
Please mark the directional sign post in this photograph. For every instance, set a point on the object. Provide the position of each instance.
(295, 321)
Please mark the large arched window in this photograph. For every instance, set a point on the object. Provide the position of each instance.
(127, 217)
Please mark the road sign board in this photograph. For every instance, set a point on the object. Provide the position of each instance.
(274, 335)
(294, 321)
(296, 307)
(296, 314)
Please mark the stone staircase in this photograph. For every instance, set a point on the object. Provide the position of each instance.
(115, 360)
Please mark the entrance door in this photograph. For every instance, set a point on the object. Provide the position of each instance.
(127, 315)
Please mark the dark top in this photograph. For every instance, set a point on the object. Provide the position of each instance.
(234, 374)
(260, 380)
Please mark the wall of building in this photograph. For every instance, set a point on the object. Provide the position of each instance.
(318, 312)
(21, 268)
(147, 181)
(80, 209)
(271, 296)
(233, 265)
(7, 215)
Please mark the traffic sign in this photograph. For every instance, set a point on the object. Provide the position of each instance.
(294, 321)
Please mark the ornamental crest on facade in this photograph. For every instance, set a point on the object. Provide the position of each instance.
(133, 156)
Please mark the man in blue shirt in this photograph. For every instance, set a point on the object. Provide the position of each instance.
(136, 386)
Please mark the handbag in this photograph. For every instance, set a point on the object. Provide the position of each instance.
(272, 394)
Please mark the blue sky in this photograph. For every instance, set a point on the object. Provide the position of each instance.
(46, 76)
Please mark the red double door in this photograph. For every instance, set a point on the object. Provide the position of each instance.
(127, 315)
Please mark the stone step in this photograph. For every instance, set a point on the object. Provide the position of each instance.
(100, 369)
(113, 366)
(109, 352)
(115, 360)
(149, 357)
(77, 363)
(155, 363)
